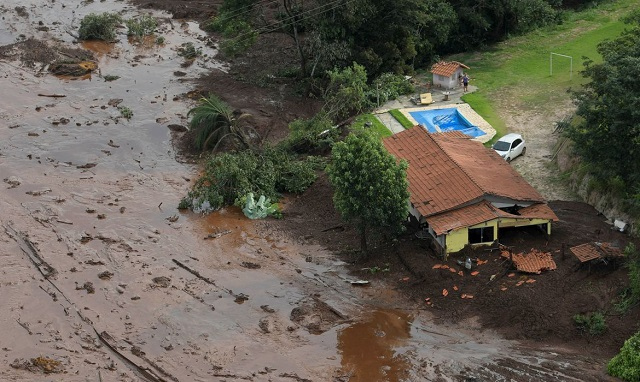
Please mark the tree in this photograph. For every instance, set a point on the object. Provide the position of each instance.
(607, 136)
(346, 92)
(213, 121)
(626, 364)
(370, 185)
(387, 35)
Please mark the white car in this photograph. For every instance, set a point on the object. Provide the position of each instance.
(510, 146)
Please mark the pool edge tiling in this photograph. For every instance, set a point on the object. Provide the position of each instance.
(467, 112)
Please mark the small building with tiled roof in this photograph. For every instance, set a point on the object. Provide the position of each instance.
(447, 74)
(464, 192)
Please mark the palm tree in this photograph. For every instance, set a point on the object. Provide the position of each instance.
(213, 121)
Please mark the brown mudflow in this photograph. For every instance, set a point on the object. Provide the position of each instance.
(104, 279)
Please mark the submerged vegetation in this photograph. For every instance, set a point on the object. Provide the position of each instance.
(229, 177)
(142, 26)
(99, 26)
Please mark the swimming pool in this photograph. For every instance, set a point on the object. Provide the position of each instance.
(439, 120)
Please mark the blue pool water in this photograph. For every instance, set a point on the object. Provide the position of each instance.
(438, 120)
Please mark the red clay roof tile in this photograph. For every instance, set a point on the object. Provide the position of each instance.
(591, 251)
(446, 69)
(448, 170)
(532, 262)
(436, 182)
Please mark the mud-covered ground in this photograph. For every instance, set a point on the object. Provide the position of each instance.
(104, 279)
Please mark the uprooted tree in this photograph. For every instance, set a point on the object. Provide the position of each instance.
(370, 185)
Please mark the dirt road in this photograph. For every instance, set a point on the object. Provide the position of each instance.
(104, 279)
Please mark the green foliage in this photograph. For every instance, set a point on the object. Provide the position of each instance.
(520, 67)
(404, 121)
(370, 186)
(109, 78)
(189, 51)
(593, 323)
(229, 177)
(143, 26)
(378, 269)
(160, 40)
(213, 121)
(608, 137)
(626, 365)
(99, 26)
(633, 262)
(345, 94)
(240, 36)
(259, 209)
(314, 135)
(386, 87)
(125, 112)
(235, 24)
(387, 36)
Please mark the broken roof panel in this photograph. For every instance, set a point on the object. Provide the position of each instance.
(532, 262)
(483, 212)
(462, 217)
(595, 250)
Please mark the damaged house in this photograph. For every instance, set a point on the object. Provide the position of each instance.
(464, 193)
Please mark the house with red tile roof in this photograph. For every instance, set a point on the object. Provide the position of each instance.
(463, 192)
(447, 74)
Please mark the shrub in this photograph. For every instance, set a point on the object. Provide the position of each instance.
(99, 27)
(109, 78)
(125, 112)
(311, 135)
(593, 323)
(238, 34)
(633, 262)
(228, 178)
(188, 51)
(144, 26)
(388, 86)
(626, 365)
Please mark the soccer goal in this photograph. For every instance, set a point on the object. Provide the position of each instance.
(564, 56)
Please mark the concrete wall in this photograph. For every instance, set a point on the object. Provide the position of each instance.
(448, 82)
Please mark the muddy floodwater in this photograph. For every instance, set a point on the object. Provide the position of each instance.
(103, 279)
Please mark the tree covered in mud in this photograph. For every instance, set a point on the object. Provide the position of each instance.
(371, 188)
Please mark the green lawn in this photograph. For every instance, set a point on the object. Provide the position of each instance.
(519, 68)
(376, 126)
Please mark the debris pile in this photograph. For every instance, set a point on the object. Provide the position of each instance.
(533, 262)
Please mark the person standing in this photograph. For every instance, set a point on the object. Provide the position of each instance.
(465, 81)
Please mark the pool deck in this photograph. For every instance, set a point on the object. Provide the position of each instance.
(405, 105)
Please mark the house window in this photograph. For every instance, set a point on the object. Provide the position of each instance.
(481, 235)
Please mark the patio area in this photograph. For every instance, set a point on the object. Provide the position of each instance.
(442, 98)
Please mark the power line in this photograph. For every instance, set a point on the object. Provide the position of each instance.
(281, 24)
(246, 9)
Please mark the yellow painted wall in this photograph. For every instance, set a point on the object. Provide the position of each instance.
(456, 240)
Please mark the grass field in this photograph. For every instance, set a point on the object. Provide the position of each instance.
(520, 66)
